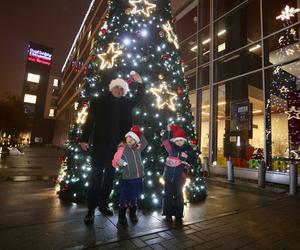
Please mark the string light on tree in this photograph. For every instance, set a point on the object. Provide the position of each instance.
(287, 13)
(164, 97)
(142, 7)
(108, 59)
(172, 38)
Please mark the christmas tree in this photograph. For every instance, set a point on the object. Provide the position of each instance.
(136, 35)
(283, 82)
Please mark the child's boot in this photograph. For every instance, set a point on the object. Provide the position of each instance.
(132, 214)
(122, 216)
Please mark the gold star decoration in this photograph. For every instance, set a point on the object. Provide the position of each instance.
(109, 58)
(293, 113)
(283, 89)
(82, 115)
(287, 13)
(142, 7)
(164, 97)
(172, 38)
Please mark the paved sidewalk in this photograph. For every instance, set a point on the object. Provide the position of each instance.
(232, 217)
(274, 226)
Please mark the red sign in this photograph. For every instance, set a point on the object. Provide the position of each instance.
(38, 56)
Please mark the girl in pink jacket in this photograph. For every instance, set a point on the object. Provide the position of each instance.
(128, 160)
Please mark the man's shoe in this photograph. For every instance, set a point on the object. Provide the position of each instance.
(89, 218)
(106, 210)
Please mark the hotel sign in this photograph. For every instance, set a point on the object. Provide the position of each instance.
(39, 56)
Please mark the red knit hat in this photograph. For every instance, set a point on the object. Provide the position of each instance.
(178, 133)
(135, 133)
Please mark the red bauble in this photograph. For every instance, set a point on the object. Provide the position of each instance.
(94, 57)
(85, 103)
(75, 140)
(195, 141)
(165, 57)
(138, 34)
(61, 158)
(103, 31)
(189, 106)
(173, 21)
(179, 91)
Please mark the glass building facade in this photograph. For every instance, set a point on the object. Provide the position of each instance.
(242, 63)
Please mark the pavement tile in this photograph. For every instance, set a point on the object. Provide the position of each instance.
(157, 247)
(150, 236)
(138, 242)
(154, 241)
(165, 235)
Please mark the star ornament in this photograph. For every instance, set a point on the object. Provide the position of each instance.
(108, 59)
(293, 113)
(287, 13)
(165, 98)
(142, 7)
(283, 89)
(82, 115)
(172, 38)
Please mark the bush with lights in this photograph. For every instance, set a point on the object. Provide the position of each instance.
(136, 35)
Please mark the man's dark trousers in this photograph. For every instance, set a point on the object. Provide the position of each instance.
(100, 184)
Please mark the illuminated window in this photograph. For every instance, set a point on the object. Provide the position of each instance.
(30, 98)
(51, 113)
(55, 83)
(33, 78)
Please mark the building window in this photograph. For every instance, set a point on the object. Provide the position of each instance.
(51, 113)
(30, 98)
(33, 78)
(55, 83)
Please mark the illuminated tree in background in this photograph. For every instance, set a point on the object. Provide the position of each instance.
(136, 35)
(283, 87)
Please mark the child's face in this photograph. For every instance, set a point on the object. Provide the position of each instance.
(180, 143)
(130, 142)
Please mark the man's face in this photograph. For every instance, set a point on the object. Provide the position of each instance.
(180, 143)
(117, 91)
(130, 141)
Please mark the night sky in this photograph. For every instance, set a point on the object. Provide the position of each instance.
(53, 23)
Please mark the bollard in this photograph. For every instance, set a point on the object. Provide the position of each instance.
(262, 174)
(230, 170)
(206, 167)
(293, 179)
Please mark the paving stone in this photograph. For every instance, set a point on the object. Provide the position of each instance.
(165, 235)
(148, 237)
(154, 241)
(138, 242)
(157, 247)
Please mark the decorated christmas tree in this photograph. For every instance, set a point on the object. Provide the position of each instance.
(283, 82)
(136, 35)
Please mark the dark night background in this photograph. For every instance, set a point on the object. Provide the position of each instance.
(53, 23)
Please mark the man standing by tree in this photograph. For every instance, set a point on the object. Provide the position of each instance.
(111, 118)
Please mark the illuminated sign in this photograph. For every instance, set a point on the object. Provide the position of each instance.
(39, 56)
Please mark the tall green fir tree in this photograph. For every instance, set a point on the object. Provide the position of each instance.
(137, 35)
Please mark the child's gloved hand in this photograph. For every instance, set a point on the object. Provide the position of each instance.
(184, 155)
(122, 163)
